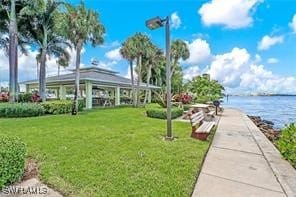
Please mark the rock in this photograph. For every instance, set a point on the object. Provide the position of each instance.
(268, 122)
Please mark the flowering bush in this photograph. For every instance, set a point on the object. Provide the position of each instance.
(36, 97)
(4, 97)
(185, 98)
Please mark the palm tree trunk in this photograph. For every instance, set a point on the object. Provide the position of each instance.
(42, 75)
(139, 79)
(147, 83)
(59, 67)
(17, 89)
(12, 53)
(133, 83)
(77, 76)
(37, 70)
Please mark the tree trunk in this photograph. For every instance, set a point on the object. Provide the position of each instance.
(174, 67)
(17, 88)
(37, 70)
(77, 76)
(42, 75)
(59, 67)
(147, 83)
(12, 53)
(133, 83)
(139, 79)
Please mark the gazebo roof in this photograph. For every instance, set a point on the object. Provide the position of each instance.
(94, 74)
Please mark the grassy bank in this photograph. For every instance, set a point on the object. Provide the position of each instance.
(110, 152)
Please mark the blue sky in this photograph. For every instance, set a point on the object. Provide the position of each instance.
(248, 45)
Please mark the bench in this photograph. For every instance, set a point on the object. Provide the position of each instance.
(211, 113)
(200, 128)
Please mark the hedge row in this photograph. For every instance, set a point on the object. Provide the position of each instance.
(12, 160)
(60, 107)
(15, 110)
(287, 143)
(156, 111)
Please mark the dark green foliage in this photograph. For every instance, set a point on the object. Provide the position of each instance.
(15, 110)
(287, 143)
(156, 111)
(205, 89)
(60, 106)
(12, 160)
(25, 97)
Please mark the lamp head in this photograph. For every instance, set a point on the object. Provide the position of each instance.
(154, 23)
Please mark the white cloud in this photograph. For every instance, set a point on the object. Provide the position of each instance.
(27, 65)
(114, 54)
(257, 58)
(107, 64)
(293, 23)
(228, 68)
(191, 72)
(200, 51)
(128, 72)
(269, 41)
(175, 20)
(272, 61)
(239, 73)
(232, 14)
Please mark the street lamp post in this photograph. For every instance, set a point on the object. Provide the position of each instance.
(152, 24)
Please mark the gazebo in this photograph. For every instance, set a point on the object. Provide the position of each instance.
(99, 87)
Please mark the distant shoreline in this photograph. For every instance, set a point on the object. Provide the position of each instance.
(266, 95)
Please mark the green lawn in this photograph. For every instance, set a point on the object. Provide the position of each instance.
(110, 152)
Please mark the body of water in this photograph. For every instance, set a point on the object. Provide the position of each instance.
(281, 110)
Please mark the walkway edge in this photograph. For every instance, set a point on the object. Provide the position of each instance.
(281, 168)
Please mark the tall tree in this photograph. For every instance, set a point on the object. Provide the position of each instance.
(152, 59)
(141, 42)
(44, 33)
(82, 25)
(63, 61)
(12, 23)
(128, 52)
(179, 50)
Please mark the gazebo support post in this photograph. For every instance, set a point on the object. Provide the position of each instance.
(62, 92)
(117, 96)
(88, 94)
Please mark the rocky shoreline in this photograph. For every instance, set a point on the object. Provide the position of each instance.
(266, 127)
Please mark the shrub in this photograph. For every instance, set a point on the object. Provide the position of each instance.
(4, 97)
(60, 106)
(15, 110)
(185, 98)
(156, 111)
(25, 98)
(12, 160)
(287, 143)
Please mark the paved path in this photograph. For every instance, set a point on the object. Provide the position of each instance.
(242, 162)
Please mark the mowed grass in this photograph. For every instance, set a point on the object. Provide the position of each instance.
(110, 152)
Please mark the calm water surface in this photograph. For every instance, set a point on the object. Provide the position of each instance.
(281, 110)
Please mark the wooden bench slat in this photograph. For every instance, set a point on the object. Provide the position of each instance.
(206, 127)
(196, 114)
(211, 113)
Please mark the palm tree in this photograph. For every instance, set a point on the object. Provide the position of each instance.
(38, 57)
(12, 23)
(82, 25)
(179, 50)
(128, 52)
(43, 32)
(153, 57)
(63, 61)
(141, 42)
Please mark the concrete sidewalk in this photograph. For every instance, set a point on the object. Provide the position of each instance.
(243, 162)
